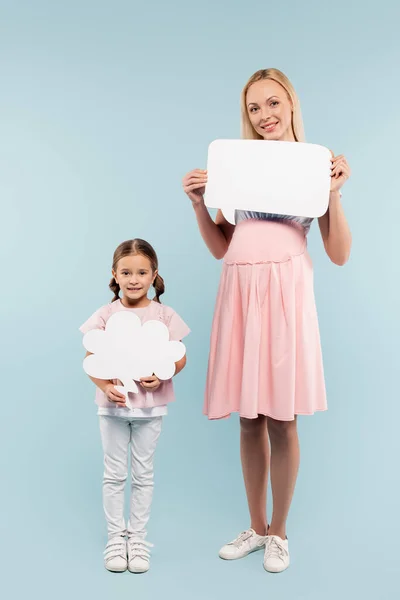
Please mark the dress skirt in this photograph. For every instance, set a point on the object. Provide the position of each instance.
(265, 351)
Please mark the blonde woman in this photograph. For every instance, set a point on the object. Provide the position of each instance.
(265, 358)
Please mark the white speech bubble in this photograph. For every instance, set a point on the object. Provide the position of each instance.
(285, 178)
(127, 350)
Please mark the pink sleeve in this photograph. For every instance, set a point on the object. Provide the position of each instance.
(98, 320)
(177, 326)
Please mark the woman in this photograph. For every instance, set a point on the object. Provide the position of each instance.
(265, 359)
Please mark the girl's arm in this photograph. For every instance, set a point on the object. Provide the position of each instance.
(107, 386)
(153, 383)
(180, 365)
(114, 395)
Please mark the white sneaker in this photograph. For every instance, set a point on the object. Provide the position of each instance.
(246, 542)
(276, 556)
(115, 555)
(138, 555)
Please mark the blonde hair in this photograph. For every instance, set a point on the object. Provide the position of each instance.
(248, 132)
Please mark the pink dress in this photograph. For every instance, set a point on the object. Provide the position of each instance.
(265, 355)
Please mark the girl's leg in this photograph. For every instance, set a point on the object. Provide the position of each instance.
(285, 458)
(254, 451)
(144, 437)
(115, 434)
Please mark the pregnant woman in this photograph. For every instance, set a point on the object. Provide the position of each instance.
(265, 358)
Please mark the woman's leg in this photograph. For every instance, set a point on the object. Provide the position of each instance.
(254, 451)
(285, 458)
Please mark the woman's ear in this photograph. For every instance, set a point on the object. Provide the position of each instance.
(155, 276)
(114, 274)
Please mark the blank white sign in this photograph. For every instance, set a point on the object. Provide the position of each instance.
(127, 350)
(286, 178)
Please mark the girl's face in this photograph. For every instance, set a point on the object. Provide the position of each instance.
(134, 276)
(270, 110)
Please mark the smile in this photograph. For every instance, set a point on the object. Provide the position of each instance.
(269, 127)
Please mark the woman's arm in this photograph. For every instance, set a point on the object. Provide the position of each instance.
(216, 235)
(335, 231)
(333, 224)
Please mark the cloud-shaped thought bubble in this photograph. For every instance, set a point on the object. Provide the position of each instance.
(127, 350)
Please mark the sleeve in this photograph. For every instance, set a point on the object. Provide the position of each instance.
(177, 327)
(98, 320)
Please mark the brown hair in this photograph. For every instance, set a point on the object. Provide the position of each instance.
(275, 75)
(131, 248)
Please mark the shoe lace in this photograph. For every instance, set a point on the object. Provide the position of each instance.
(245, 535)
(274, 548)
(139, 548)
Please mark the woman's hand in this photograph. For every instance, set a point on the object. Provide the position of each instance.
(194, 185)
(114, 395)
(150, 383)
(340, 172)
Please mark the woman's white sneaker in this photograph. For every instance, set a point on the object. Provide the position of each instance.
(138, 555)
(276, 556)
(115, 559)
(247, 542)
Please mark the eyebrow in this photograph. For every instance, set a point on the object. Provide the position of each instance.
(268, 99)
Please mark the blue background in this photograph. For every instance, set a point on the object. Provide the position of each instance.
(104, 106)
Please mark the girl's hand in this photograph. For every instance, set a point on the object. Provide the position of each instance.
(340, 172)
(194, 185)
(150, 383)
(114, 395)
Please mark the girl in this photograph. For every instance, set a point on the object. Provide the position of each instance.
(134, 270)
(265, 358)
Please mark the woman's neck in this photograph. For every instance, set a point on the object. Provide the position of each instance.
(287, 137)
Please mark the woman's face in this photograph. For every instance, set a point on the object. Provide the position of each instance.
(270, 110)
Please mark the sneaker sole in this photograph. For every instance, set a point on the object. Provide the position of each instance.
(243, 555)
(275, 570)
(122, 570)
(137, 571)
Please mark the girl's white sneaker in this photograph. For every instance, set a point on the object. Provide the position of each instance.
(115, 559)
(138, 555)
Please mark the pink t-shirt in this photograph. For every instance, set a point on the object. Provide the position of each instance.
(148, 401)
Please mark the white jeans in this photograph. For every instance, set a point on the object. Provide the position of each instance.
(116, 435)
